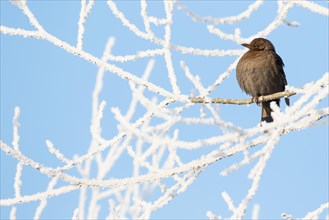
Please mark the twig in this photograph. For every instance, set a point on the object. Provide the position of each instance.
(273, 96)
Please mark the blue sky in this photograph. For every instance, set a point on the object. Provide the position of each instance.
(53, 90)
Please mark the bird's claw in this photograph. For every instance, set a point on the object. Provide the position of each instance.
(255, 99)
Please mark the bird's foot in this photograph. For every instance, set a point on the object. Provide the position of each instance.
(255, 99)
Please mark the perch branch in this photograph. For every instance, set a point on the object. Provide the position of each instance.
(273, 96)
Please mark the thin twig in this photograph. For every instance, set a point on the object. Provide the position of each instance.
(273, 96)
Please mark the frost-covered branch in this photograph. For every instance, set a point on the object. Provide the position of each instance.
(311, 215)
(229, 20)
(84, 12)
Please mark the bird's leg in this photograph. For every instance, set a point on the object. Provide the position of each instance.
(255, 99)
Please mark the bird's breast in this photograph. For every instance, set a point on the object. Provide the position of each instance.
(258, 74)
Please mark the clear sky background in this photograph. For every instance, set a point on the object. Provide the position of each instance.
(54, 89)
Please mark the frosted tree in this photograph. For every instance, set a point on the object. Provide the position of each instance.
(151, 131)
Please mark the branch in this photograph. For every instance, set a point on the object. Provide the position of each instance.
(222, 20)
(273, 96)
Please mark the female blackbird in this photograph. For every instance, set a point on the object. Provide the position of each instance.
(260, 72)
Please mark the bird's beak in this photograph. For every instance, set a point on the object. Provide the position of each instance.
(246, 45)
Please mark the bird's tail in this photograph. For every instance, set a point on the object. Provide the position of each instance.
(266, 110)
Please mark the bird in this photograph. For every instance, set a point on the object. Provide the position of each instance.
(259, 72)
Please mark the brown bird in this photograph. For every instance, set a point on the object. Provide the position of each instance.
(260, 72)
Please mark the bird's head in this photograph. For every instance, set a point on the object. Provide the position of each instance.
(259, 44)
